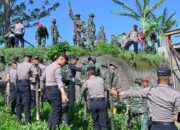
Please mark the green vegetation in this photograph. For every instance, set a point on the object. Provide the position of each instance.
(136, 60)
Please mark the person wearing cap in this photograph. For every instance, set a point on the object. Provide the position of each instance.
(71, 89)
(54, 32)
(78, 25)
(92, 28)
(34, 79)
(54, 90)
(23, 95)
(101, 35)
(41, 35)
(94, 85)
(19, 31)
(162, 101)
(12, 88)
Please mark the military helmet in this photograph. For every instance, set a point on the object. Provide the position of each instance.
(54, 20)
(91, 15)
(77, 15)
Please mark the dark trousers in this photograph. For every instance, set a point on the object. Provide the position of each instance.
(23, 99)
(33, 98)
(132, 43)
(65, 107)
(11, 42)
(54, 98)
(162, 126)
(72, 94)
(98, 109)
(12, 90)
(19, 37)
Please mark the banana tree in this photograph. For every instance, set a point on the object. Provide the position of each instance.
(142, 13)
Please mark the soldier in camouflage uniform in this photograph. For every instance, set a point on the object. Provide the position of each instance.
(137, 107)
(91, 29)
(67, 78)
(2, 67)
(54, 32)
(101, 35)
(78, 23)
(114, 40)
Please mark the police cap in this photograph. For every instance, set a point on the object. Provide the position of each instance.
(93, 59)
(164, 72)
(91, 68)
(74, 57)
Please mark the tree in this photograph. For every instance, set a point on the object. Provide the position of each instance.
(165, 23)
(27, 10)
(143, 12)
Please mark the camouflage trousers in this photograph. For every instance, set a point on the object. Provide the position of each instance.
(78, 40)
(55, 39)
(142, 120)
(41, 41)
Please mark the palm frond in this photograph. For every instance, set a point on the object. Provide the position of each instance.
(139, 6)
(146, 3)
(164, 15)
(170, 18)
(156, 5)
(126, 14)
(125, 6)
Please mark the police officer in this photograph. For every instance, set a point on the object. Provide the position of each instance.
(35, 79)
(23, 96)
(71, 89)
(162, 100)
(54, 90)
(98, 106)
(12, 80)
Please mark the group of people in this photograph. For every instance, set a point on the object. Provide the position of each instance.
(138, 38)
(155, 107)
(17, 31)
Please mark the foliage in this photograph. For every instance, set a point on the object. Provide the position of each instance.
(151, 60)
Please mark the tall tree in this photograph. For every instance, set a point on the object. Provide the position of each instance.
(29, 11)
(142, 13)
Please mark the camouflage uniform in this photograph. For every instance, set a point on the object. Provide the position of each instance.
(91, 30)
(78, 23)
(101, 35)
(54, 32)
(114, 40)
(138, 108)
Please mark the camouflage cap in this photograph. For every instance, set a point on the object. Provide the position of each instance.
(77, 15)
(91, 15)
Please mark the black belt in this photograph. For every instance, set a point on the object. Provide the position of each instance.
(55, 86)
(162, 123)
(97, 99)
(20, 80)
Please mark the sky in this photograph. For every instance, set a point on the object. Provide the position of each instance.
(114, 24)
